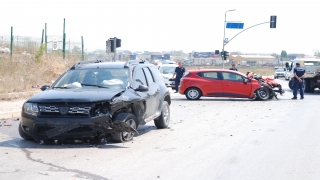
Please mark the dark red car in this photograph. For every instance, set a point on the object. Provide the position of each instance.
(220, 83)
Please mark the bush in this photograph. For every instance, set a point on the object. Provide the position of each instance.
(21, 72)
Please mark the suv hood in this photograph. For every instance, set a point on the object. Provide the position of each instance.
(75, 95)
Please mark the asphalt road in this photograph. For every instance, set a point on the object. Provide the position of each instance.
(211, 138)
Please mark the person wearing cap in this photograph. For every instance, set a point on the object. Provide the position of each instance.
(233, 68)
(299, 74)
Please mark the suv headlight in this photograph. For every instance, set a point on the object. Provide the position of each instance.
(164, 77)
(31, 108)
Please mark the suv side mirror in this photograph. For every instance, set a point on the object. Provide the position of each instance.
(44, 87)
(245, 80)
(142, 88)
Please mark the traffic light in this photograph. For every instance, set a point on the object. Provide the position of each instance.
(225, 54)
(118, 43)
(112, 48)
(273, 21)
(110, 43)
(216, 52)
(222, 53)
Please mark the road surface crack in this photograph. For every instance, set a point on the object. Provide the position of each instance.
(78, 173)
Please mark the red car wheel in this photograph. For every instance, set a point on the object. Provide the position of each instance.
(193, 93)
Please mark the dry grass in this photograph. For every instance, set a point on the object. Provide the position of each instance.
(20, 72)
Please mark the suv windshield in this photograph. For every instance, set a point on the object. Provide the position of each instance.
(280, 70)
(167, 69)
(94, 78)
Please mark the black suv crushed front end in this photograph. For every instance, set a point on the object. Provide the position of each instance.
(69, 119)
(94, 99)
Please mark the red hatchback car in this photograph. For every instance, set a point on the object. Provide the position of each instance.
(218, 83)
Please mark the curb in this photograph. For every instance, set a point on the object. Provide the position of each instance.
(10, 114)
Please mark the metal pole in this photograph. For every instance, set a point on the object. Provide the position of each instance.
(11, 42)
(82, 48)
(42, 37)
(115, 48)
(224, 32)
(45, 36)
(245, 30)
(64, 39)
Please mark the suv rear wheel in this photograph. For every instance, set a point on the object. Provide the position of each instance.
(163, 120)
(131, 120)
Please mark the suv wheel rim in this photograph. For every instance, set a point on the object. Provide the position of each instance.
(126, 135)
(165, 112)
(193, 94)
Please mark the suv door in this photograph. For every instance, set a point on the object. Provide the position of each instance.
(233, 85)
(140, 75)
(154, 92)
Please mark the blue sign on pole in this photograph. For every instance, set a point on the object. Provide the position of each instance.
(233, 25)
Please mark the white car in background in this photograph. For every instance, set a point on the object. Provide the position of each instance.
(167, 71)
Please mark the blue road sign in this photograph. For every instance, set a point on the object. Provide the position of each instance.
(233, 25)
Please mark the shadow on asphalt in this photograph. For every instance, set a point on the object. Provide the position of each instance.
(17, 142)
(211, 99)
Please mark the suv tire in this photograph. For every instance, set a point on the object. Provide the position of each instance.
(163, 120)
(23, 134)
(124, 136)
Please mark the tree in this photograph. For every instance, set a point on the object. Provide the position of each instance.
(284, 54)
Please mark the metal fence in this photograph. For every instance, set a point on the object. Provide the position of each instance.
(31, 45)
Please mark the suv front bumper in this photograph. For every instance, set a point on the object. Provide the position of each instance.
(70, 128)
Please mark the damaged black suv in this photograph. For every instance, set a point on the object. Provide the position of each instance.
(94, 100)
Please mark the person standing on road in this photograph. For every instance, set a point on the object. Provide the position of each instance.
(299, 74)
(179, 72)
(233, 68)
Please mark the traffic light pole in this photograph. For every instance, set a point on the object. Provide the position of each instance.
(224, 33)
(272, 22)
(115, 49)
(226, 42)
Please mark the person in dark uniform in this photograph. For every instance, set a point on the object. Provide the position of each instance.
(179, 72)
(299, 74)
(233, 68)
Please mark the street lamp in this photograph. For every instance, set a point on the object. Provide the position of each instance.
(224, 33)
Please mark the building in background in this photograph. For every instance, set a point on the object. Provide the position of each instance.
(254, 60)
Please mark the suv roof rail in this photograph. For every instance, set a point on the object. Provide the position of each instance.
(136, 62)
(80, 63)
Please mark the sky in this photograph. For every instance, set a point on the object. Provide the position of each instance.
(166, 25)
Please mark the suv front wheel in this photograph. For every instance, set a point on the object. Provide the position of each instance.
(163, 120)
(131, 120)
